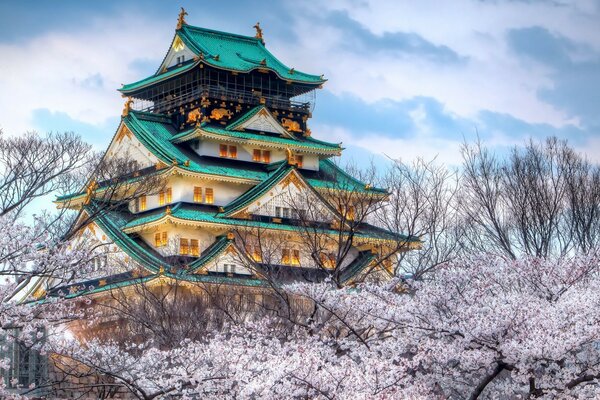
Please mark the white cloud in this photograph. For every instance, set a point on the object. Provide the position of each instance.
(75, 73)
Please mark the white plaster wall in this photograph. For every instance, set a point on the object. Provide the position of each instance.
(205, 237)
(208, 147)
(131, 148)
(218, 265)
(183, 191)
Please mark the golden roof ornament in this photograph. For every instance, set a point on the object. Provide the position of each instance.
(259, 32)
(127, 107)
(181, 18)
(168, 210)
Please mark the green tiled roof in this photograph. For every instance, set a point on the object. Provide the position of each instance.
(158, 77)
(210, 253)
(330, 176)
(258, 190)
(155, 132)
(361, 262)
(111, 223)
(192, 212)
(235, 53)
(238, 53)
(308, 144)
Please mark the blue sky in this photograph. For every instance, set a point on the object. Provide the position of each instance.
(406, 79)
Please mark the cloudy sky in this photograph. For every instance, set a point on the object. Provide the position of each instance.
(406, 79)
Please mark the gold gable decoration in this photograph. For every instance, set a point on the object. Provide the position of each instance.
(290, 125)
(127, 107)
(123, 133)
(181, 18)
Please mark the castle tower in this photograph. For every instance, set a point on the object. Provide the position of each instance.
(224, 124)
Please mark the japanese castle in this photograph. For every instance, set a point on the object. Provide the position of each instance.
(225, 125)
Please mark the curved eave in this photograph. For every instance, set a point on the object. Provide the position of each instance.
(201, 133)
(130, 88)
(209, 58)
(226, 224)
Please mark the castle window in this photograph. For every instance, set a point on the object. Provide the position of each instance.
(227, 151)
(209, 196)
(223, 150)
(142, 202)
(254, 252)
(184, 247)
(295, 257)
(161, 198)
(256, 155)
(327, 260)
(229, 268)
(351, 213)
(285, 256)
(197, 194)
(169, 195)
(160, 239)
(286, 212)
(299, 161)
(194, 247)
(266, 156)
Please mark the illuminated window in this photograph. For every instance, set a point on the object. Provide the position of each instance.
(194, 247)
(327, 260)
(295, 257)
(351, 213)
(257, 254)
(142, 202)
(254, 252)
(161, 198)
(223, 150)
(197, 194)
(209, 196)
(169, 195)
(184, 247)
(160, 239)
(285, 256)
(299, 161)
(232, 151)
(266, 156)
(256, 155)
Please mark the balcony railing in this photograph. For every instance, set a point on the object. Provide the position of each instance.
(173, 101)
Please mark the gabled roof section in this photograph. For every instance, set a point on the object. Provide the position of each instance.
(222, 243)
(226, 51)
(111, 222)
(155, 132)
(359, 264)
(306, 145)
(158, 77)
(238, 53)
(259, 190)
(258, 119)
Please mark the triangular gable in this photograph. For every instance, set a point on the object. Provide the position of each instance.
(125, 144)
(277, 191)
(223, 256)
(178, 49)
(260, 120)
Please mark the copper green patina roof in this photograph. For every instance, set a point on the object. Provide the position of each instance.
(155, 132)
(230, 132)
(227, 51)
(210, 215)
(362, 261)
(213, 251)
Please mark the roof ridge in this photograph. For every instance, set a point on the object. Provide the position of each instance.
(221, 33)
